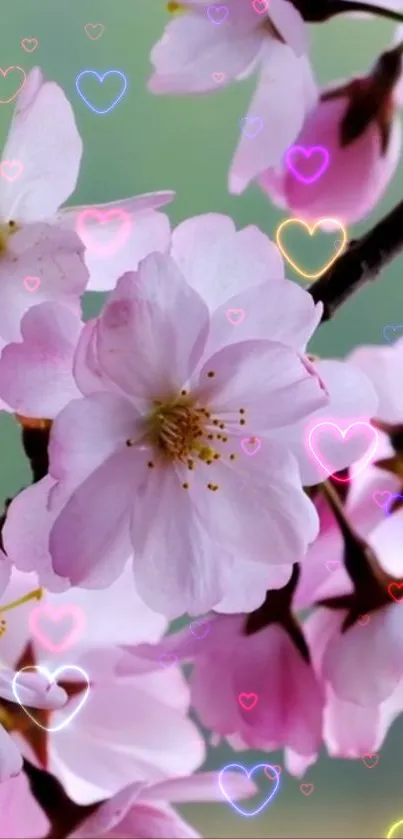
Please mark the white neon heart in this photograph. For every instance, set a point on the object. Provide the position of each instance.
(355, 468)
(52, 678)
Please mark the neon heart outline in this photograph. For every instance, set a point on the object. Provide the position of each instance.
(5, 73)
(245, 696)
(246, 120)
(104, 216)
(230, 312)
(51, 678)
(249, 775)
(311, 230)
(101, 77)
(393, 828)
(312, 149)
(217, 6)
(72, 610)
(360, 465)
(98, 36)
(31, 287)
(26, 40)
(256, 442)
(11, 163)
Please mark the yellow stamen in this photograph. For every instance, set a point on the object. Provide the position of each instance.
(37, 594)
(175, 7)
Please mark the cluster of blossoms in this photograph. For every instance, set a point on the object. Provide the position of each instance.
(148, 505)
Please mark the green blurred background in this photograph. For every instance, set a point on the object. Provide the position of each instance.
(150, 143)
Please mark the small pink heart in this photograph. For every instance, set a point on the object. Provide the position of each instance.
(11, 169)
(363, 620)
(273, 771)
(29, 44)
(306, 789)
(370, 760)
(235, 316)
(200, 628)
(32, 283)
(218, 77)
(382, 499)
(260, 6)
(251, 445)
(248, 701)
(94, 30)
(168, 659)
(332, 564)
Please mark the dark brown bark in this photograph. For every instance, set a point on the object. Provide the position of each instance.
(361, 263)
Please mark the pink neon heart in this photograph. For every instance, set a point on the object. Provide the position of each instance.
(363, 620)
(248, 701)
(97, 28)
(297, 151)
(306, 789)
(260, 6)
(84, 228)
(5, 73)
(26, 44)
(56, 614)
(333, 564)
(31, 283)
(218, 77)
(5, 169)
(360, 465)
(379, 498)
(235, 316)
(251, 445)
(200, 628)
(370, 760)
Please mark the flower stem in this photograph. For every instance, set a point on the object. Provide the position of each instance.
(361, 263)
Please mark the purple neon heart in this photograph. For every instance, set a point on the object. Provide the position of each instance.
(249, 774)
(307, 153)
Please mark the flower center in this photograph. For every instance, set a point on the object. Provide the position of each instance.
(182, 431)
(178, 429)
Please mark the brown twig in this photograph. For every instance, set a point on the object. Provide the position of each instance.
(361, 263)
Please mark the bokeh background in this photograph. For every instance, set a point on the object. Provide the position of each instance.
(183, 143)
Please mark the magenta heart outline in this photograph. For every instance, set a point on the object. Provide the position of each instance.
(249, 775)
(307, 153)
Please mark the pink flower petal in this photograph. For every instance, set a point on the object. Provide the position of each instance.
(89, 542)
(153, 340)
(191, 568)
(219, 262)
(21, 816)
(264, 308)
(45, 139)
(281, 81)
(148, 231)
(36, 375)
(56, 257)
(192, 49)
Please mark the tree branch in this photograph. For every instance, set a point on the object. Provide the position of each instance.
(361, 263)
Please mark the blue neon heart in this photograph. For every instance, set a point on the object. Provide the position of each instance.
(101, 78)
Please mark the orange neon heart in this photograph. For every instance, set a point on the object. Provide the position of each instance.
(311, 230)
